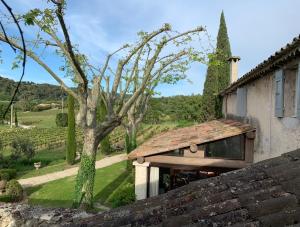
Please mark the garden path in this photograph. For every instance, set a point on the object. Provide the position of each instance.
(35, 181)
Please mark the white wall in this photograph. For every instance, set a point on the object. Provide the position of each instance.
(274, 135)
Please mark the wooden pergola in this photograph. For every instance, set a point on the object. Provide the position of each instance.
(218, 146)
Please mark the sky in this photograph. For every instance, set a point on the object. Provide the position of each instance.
(256, 30)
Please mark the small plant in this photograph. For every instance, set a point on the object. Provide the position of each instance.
(22, 147)
(61, 120)
(10, 172)
(15, 190)
(124, 196)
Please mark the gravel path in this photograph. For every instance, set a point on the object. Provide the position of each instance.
(34, 181)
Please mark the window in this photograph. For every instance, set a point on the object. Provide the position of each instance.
(241, 104)
(287, 92)
(279, 93)
(289, 97)
(230, 148)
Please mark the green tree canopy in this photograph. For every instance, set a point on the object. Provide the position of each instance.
(218, 75)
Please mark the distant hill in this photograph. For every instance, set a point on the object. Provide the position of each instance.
(29, 91)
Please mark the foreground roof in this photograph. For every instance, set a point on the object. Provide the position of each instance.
(185, 137)
(264, 194)
(285, 54)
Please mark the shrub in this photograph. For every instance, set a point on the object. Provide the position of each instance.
(11, 173)
(124, 196)
(6, 198)
(22, 146)
(61, 120)
(5, 176)
(15, 190)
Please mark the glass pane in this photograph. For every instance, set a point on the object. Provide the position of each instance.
(230, 148)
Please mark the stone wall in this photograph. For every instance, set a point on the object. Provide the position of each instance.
(274, 136)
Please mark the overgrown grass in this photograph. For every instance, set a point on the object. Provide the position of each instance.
(60, 193)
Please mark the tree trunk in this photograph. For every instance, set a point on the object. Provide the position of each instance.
(86, 173)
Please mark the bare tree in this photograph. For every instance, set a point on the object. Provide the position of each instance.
(120, 89)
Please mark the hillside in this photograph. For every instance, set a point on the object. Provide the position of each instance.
(29, 91)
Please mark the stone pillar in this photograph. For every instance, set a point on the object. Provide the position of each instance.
(141, 179)
(154, 181)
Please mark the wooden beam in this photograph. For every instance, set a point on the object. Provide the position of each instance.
(209, 162)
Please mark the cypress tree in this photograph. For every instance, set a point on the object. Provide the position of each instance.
(105, 143)
(71, 140)
(16, 119)
(218, 75)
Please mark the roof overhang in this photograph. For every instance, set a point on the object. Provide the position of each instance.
(189, 136)
(275, 61)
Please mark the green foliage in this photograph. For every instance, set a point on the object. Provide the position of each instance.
(124, 196)
(85, 183)
(105, 145)
(10, 173)
(22, 147)
(15, 190)
(29, 93)
(4, 176)
(1, 145)
(3, 107)
(71, 140)
(6, 198)
(61, 120)
(176, 108)
(218, 75)
(16, 119)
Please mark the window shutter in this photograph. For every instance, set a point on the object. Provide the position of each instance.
(298, 93)
(241, 102)
(279, 93)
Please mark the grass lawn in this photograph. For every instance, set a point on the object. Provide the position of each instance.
(52, 161)
(42, 119)
(60, 193)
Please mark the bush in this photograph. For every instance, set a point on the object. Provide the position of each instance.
(5, 176)
(61, 120)
(124, 196)
(22, 146)
(6, 198)
(10, 173)
(15, 190)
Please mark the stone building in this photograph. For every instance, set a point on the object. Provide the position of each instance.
(262, 120)
(268, 98)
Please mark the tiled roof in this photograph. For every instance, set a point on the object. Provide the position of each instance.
(185, 137)
(290, 51)
(264, 194)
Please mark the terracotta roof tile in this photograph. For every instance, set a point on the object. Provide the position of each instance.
(185, 137)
